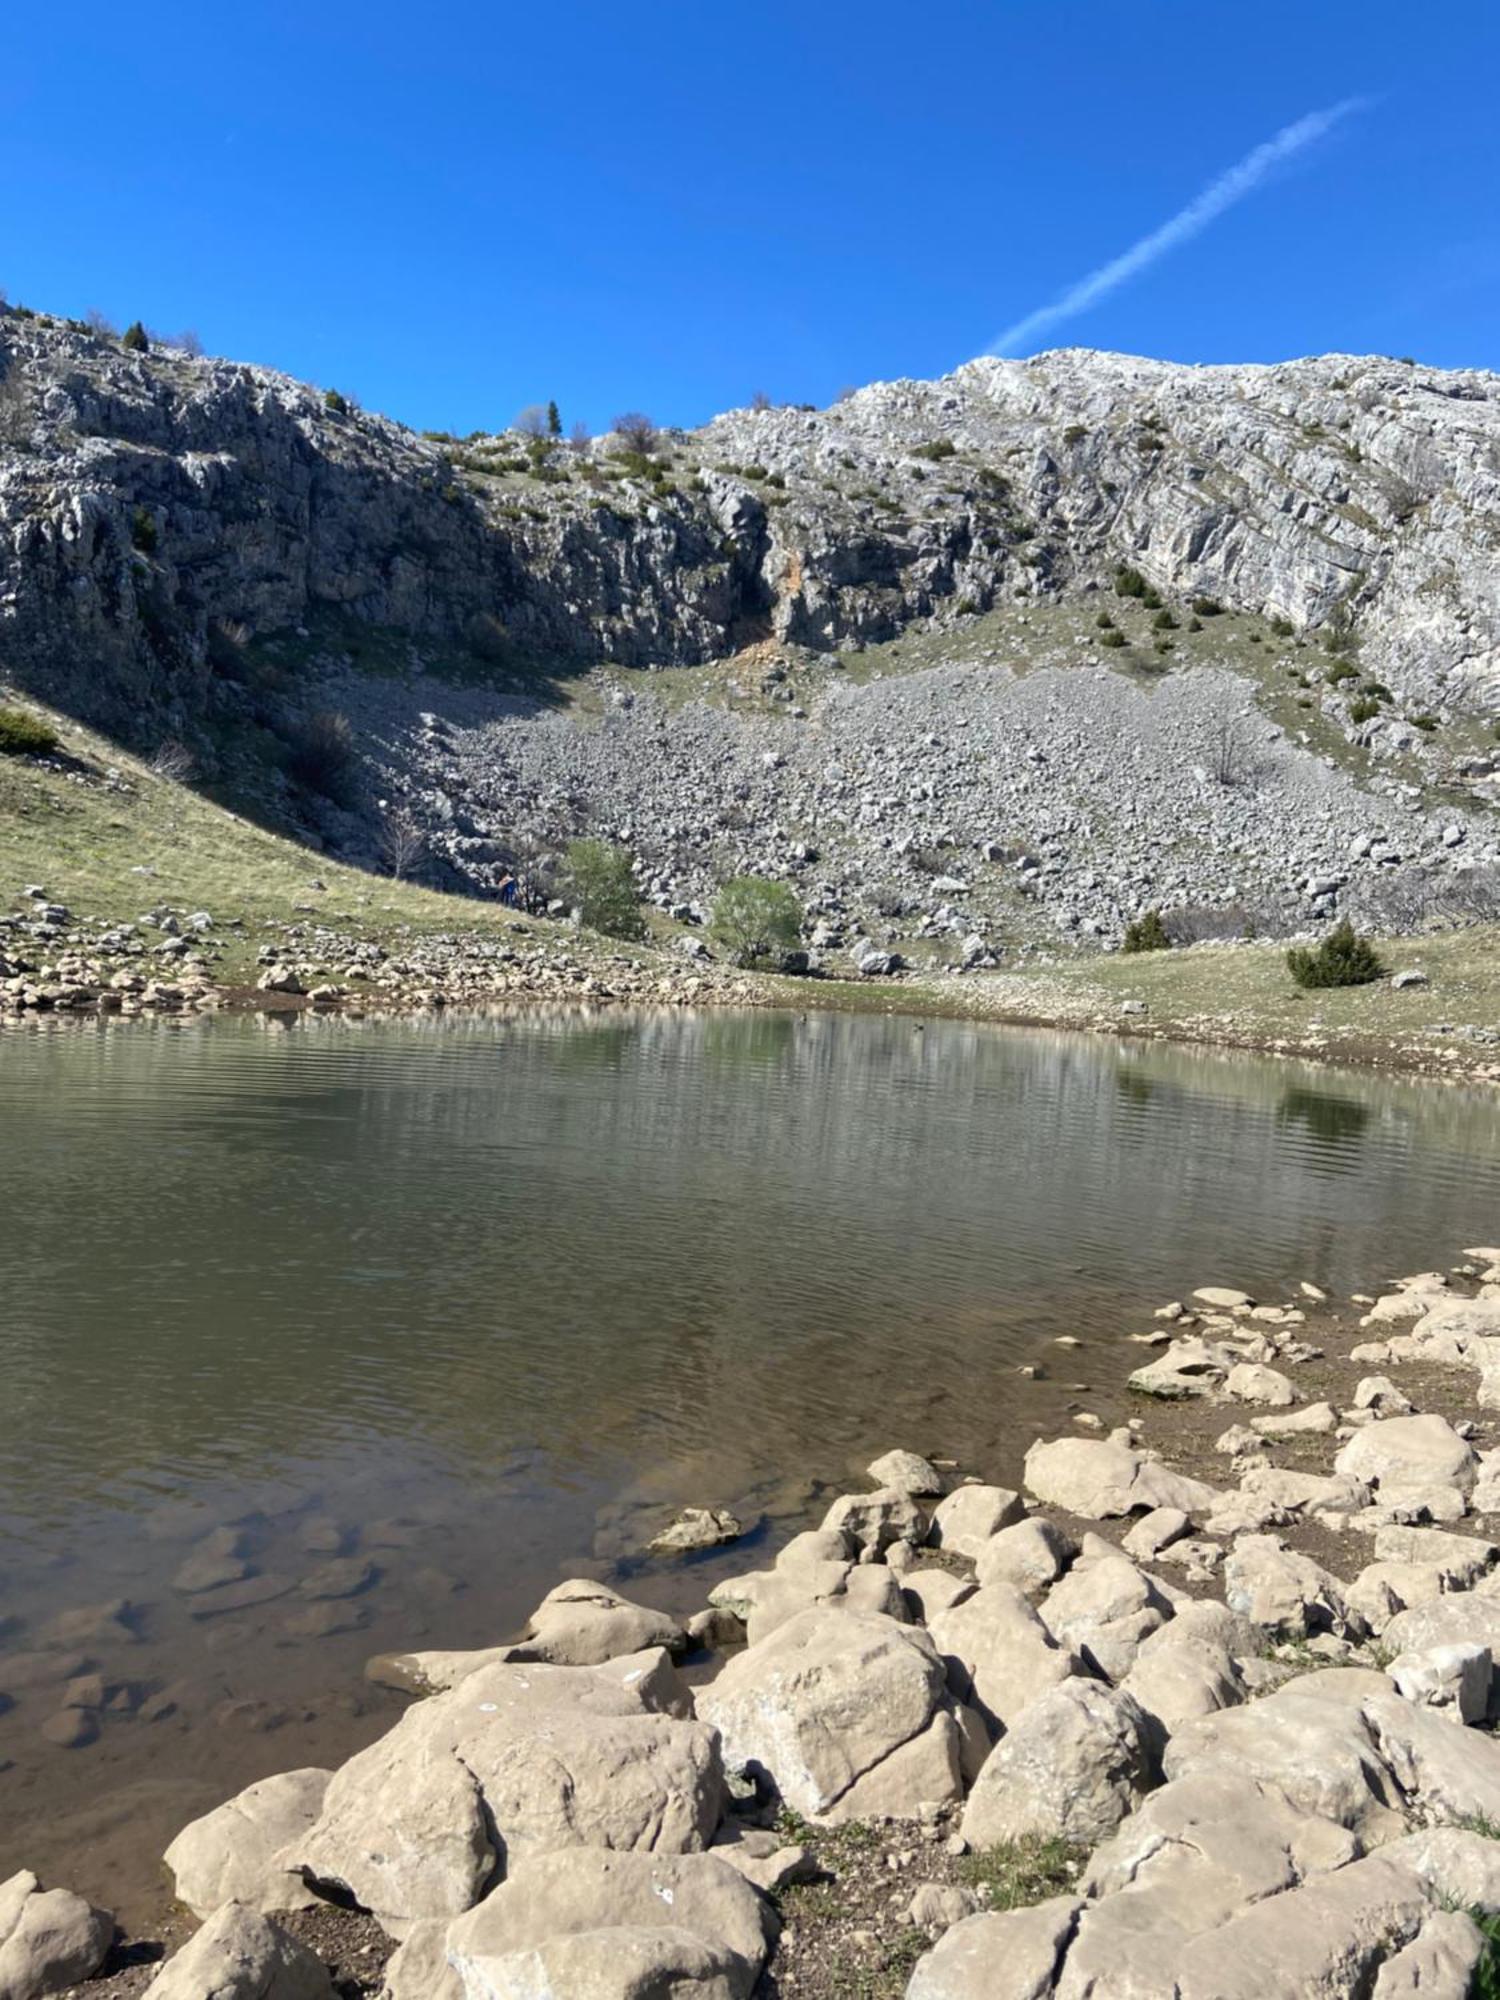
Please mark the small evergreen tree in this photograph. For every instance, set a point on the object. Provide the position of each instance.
(1342, 959)
(754, 919)
(554, 421)
(135, 338)
(143, 531)
(599, 880)
(1147, 933)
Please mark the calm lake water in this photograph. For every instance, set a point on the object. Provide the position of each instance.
(481, 1302)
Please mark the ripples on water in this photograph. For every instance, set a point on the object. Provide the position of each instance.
(496, 1276)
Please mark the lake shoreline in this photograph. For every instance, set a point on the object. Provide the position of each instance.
(1164, 1608)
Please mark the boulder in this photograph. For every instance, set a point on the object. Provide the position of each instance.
(1321, 1754)
(658, 1684)
(1455, 1863)
(929, 1592)
(1070, 1767)
(1384, 1589)
(1283, 1592)
(697, 1528)
(1028, 1944)
(1460, 1560)
(1320, 1941)
(828, 1698)
(906, 1472)
(1253, 1382)
(418, 1968)
(1464, 1618)
(1188, 1367)
(583, 1624)
(1312, 1420)
(50, 1939)
(1438, 1964)
(1409, 1452)
(998, 1654)
(1176, 1677)
(813, 1570)
(1101, 1478)
(1030, 1555)
(241, 1955)
(872, 1521)
(1455, 1679)
(971, 1516)
(536, 1756)
(232, 1855)
(608, 1926)
(1445, 1773)
(1102, 1610)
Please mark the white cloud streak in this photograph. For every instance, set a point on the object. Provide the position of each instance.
(1242, 179)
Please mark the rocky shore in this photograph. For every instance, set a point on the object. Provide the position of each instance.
(1138, 1727)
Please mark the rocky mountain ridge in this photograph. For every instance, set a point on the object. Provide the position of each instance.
(184, 538)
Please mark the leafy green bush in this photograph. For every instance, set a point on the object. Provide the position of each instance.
(1129, 582)
(1105, 622)
(1342, 959)
(1426, 723)
(1207, 607)
(598, 877)
(1164, 621)
(755, 919)
(1074, 434)
(1113, 638)
(335, 404)
(25, 735)
(1283, 628)
(1147, 933)
(1364, 710)
(939, 448)
(135, 338)
(1341, 670)
(143, 531)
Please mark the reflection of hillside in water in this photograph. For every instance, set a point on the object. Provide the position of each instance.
(636, 1237)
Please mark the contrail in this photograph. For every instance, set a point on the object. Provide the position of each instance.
(1219, 195)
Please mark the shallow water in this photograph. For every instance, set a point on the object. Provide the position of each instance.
(480, 1302)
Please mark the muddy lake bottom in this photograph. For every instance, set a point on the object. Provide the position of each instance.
(384, 1329)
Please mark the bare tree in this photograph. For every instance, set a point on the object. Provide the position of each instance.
(761, 401)
(96, 322)
(174, 761)
(403, 845)
(636, 432)
(1229, 756)
(532, 422)
(578, 437)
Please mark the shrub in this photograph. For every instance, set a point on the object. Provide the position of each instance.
(143, 531)
(1129, 582)
(1147, 933)
(1105, 622)
(335, 404)
(1363, 710)
(1283, 628)
(754, 919)
(1114, 637)
(1208, 607)
(938, 449)
(322, 750)
(1074, 434)
(636, 432)
(1342, 959)
(598, 878)
(25, 735)
(135, 338)
(1426, 723)
(1341, 670)
(1164, 621)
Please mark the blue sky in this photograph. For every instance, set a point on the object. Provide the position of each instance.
(456, 210)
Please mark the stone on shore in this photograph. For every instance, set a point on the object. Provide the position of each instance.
(241, 1955)
(1071, 1766)
(1101, 1478)
(232, 1854)
(972, 1516)
(1321, 1754)
(697, 1528)
(908, 1472)
(1102, 1610)
(873, 1521)
(594, 1925)
(814, 1570)
(583, 1624)
(1283, 1592)
(1409, 1452)
(1030, 1556)
(50, 1939)
(1028, 1944)
(837, 1708)
(999, 1655)
(545, 1756)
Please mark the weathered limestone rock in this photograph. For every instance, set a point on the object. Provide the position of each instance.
(1460, 1560)
(241, 1955)
(1463, 1618)
(1438, 1964)
(972, 1516)
(50, 1939)
(1030, 1555)
(1409, 1452)
(547, 1756)
(928, 1592)
(1384, 1589)
(1156, 1531)
(1101, 1478)
(1445, 1772)
(998, 1654)
(1322, 1755)
(1454, 1679)
(698, 1528)
(1178, 1675)
(814, 1569)
(1027, 1943)
(418, 1968)
(1102, 1610)
(582, 1624)
(1253, 1382)
(907, 1472)
(873, 1521)
(233, 1854)
(826, 1700)
(613, 1926)
(1072, 1765)
(1191, 1366)
(1283, 1592)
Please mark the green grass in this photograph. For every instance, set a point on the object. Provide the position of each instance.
(1018, 1873)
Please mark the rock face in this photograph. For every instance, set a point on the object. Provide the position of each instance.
(160, 514)
(544, 1756)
